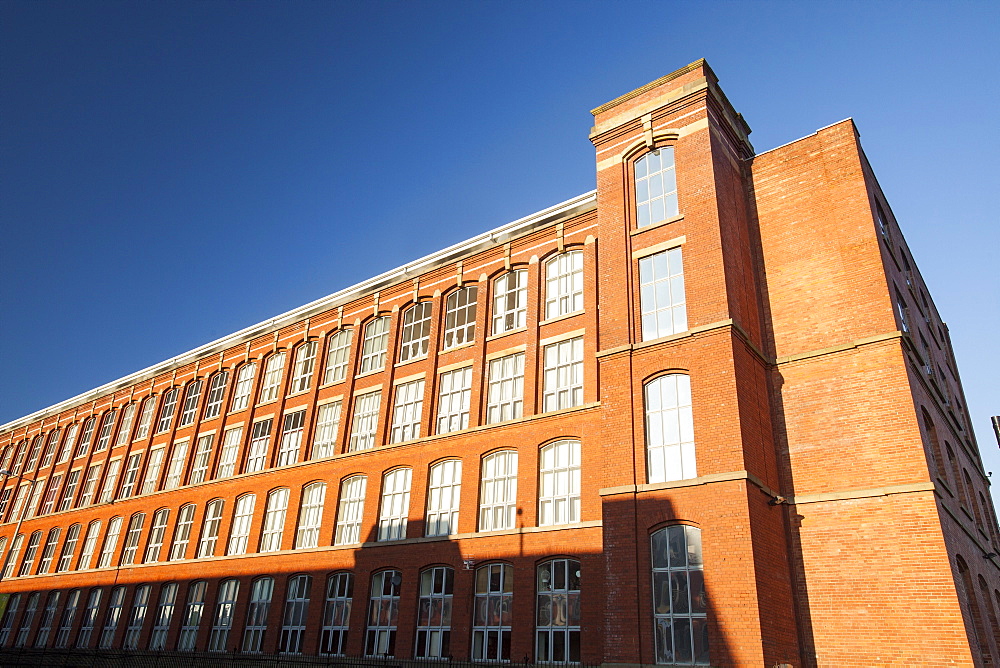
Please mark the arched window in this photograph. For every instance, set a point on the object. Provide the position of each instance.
(244, 386)
(655, 187)
(103, 437)
(415, 337)
(434, 612)
(67, 447)
(49, 551)
(115, 604)
(36, 448)
(337, 356)
(132, 538)
(679, 602)
(460, 317)
(166, 411)
(374, 344)
(50, 447)
(564, 284)
(293, 625)
(164, 615)
(30, 609)
(444, 492)
(365, 422)
(67, 619)
(498, 491)
(454, 396)
(239, 533)
(223, 621)
(337, 617)
(557, 620)
(270, 387)
(145, 420)
(327, 426)
(89, 545)
(395, 504)
(350, 510)
(48, 618)
(210, 529)
(140, 604)
(291, 438)
(670, 453)
(7, 620)
(29, 554)
(182, 532)
(274, 520)
(510, 301)
(310, 515)
(493, 614)
(934, 443)
(68, 548)
(191, 397)
(191, 621)
(305, 364)
(968, 589)
(216, 393)
(257, 610)
(89, 621)
(559, 483)
(383, 614)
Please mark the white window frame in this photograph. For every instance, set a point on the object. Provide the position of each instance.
(261, 591)
(383, 610)
(364, 426)
(231, 441)
(69, 492)
(325, 432)
(498, 491)
(559, 483)
(89, 545)
(157, 534)
(310, 515)
(564, 284)
(137, 617)
(132, 536)
(415, 338)
(338, 356)
(670, 445)
(350, 510)
(244, 387)
(225, 605)
(258, 450)
(494, 591)
(239, 531)
(663, 308)
(90, 485)
(131, 476)
(110, 542)
(182, 532)
(68, 443)
(454, 396)
(407, 411)
(444, 494)
(460, 317)
(167, 410)
(88, 435)
(374, 345)
(292, 427)
(164, 615)
(395, 506)
(434, 610)
(103, 438)
(510, 301)
(505, 394)
(50, 448)
(655, 187)
(67, 619)
(274, 372)
(154, 466)
(294, 620)
(216, 395)
(145, 417)
(337, 615)
(110, 481)
(191, 621)
(69, 548)
(175, 469)
(210, 524)
(563, 375)
(116, 602)
(557, 612)
(273, 529)
(305, 366)
(192, 395)
(677, 560)
(202, 459)
(49, 551)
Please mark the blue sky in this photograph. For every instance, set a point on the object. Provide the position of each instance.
(173, 172)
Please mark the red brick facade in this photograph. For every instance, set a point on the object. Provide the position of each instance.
(833, 479)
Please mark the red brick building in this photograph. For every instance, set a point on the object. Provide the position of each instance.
(705, 414)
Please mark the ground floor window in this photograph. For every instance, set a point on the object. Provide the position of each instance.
(679, 602)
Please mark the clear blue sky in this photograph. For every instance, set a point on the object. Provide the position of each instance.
(171, 172)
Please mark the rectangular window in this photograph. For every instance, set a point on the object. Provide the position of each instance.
(110, 542)
(154, 467)
(68, 549)
(350, 510)
(337, 357)
(661, 294)
(115, 604)
(510, 301)
(260, 441)
(239, 534)
(337, 617)
(327, 426)
(443, 494)
(132, 539)
(164, 615)
(111, 480)
(563, 375)
(395, 504)
(67, 619)
(564, 284)
(224, 608)
(273, 372)
(434, 613)
(230, 451)
(454, 391)
(89, 620)
(260, 605)
(216, 393)
(131, 476)
(291, 438)
(202, 457)
(145, 418)
(191, 397)
(175, 470)
(125, 430)
(506, 388)
(48, 618)
(182, 532)
(72, 482)
(167, 410)
(89, 545)
(310, 515)
(140, 603)
(460, 317)
(383, 614)
(305, 364)
(191, 621)
(365, 422)
(244, 386)
(274, 520)
(293, 623)
(374, 345)
(493, 616)
(416, 333)
(655, 187)
(157, 533)
(89, 485)
(407, 411)
(498, 491)
(210, 529)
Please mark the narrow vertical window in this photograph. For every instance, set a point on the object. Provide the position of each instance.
(115, 604)
(239, 534)
(29, 554)
(506, 389)
(20, 498)
(137, 618)
(49, 550)
(557, 612)
(327, 425)
(374, 345)
(22, 452)
(443, 497)
(191, 621)
(145, 418)
(882, 220)
(244, 386)
(167, 410)
(415, 337)
(260, 443)
(903, 311)
(157, 534)
(383, 613)
(35, 499)
(454, 391)
(36, 448)
(350, 510)
(216, 393)
(7, 621)
(69, 493)
(191, 397)
(132, 536)
(128, 480)
(125, 430)
(182, 532)
(89, 620)
(48, 618)
(103, 436)
(305, 365)
(210, 529)
(50, 448)
(310, 515)
(67, 619)
(175, 469)
(89, 545)
(202, 459)
(273, 372)
(68, 444)
(293, 624)
(434, 613)
(661, 294)
(498, 490)
(68, 548)
(230, 451)
(51, 495)
(164, 615)
(291, 438)
(395, 504)
(223, 621)
(26, 621)
(151, 481)
(5, 501)
(259, 606)
(337, 615)
(336, 359)
(89, 485)
(670, 450)
(559, 483)
(274, 520)
(460, 317)
(510, 301)
(365, 422)
(655, 187)
(563, 375)
(564, 284)
(492, 613)
(679, 601)
(406, 412)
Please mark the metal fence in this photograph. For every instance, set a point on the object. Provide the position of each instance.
(116, 658)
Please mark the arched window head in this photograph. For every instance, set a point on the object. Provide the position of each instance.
(564, 284)
(559, 483)
(557, 619)
(415, 337)
(679, 602)
(655, 187)
(670, 451)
